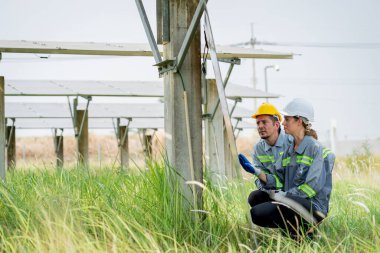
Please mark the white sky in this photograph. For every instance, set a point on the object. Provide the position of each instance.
(342, 84)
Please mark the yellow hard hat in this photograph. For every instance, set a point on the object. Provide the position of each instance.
(267, 109)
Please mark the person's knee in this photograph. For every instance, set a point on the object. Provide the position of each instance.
(257, 197)
(251, 198)
(255, 215)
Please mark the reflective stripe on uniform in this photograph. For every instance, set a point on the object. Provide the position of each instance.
(265, 158)
(326, 151)
(286, 161)
(307, 189)
(279, 185)
(304, 159)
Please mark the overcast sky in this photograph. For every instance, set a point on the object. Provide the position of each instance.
(343, 84)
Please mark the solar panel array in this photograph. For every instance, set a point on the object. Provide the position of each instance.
(111, 88)
(119, 110)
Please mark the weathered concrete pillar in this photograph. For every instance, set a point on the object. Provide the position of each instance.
(82, 138)
(58, 147)
(176, 135)
(123, 147)
(11, 147)
(2, 130)
(214, 134)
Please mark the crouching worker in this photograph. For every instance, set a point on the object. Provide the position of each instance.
(305, 172)
(268, 151)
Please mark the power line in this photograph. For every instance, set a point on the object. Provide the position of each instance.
(365, 45)
(360, 45)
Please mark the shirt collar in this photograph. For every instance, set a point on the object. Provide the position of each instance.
(279, 142)
(301, 148)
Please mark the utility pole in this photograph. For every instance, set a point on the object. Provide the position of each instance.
(254, 81)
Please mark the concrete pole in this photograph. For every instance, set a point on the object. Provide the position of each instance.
(11, 147)
(229, 163)
(181, 13)
(214, 134)
(82, 139)
(148, 146)
(123, 147)
(159, 20)
(58, 145)
(2, 130)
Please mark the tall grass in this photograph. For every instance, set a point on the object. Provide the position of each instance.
(108, 210)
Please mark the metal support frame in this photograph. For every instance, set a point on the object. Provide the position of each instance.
(237, 123)
(220, 88)
(227, 77)
(237, 100)
(233, 62)
(148, 31)
(170, 64)
(239, 130)
(190, 33)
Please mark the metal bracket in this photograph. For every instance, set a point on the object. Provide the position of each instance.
(148, 31)
(237, 100)
(236, 61)
(190, 32)
(166, 66)
(237, 123)
(238, 132)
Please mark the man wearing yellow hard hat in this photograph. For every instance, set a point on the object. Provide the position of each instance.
(269, 149)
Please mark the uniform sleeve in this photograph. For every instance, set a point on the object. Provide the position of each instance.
(275, 180)
(258, 164)
(256, 161)
(315, 175)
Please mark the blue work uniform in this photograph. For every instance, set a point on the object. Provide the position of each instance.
(306, 173)
(266, 156)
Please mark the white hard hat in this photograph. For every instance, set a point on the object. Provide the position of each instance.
(299, 107)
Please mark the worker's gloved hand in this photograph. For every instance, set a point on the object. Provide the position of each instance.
(247, 166)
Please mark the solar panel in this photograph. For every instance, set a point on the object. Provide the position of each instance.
(83, 88)
(93, 123)
(101, 123)
(62, 110)
(111, 88)
(122, 49)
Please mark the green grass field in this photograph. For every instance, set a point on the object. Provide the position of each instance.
(105, 210)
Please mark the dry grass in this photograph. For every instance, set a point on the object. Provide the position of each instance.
(39, 151)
